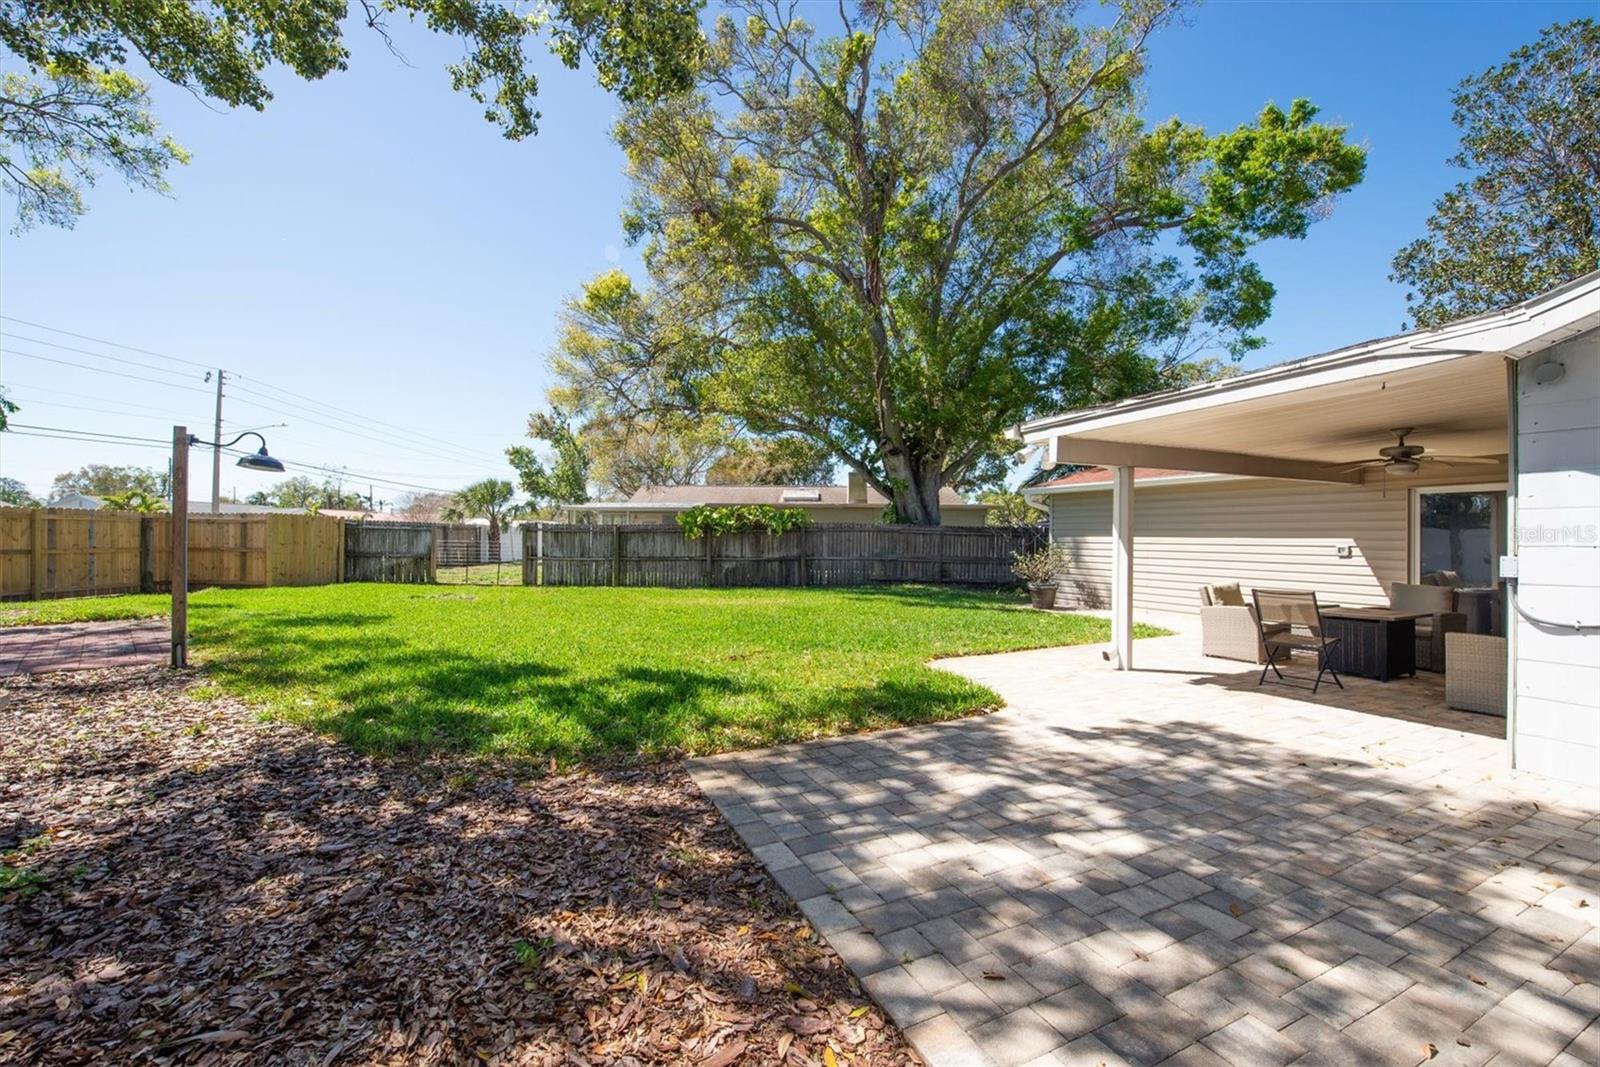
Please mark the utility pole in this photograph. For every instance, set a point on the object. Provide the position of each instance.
(216, 450)
(179, 571)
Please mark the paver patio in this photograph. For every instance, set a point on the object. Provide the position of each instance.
(1174, 866)
(83, 646)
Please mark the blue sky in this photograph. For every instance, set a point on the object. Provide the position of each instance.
(370, 243)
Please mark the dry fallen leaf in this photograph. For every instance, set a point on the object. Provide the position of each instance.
(993, 976)
(1429, 1051)
(1235, 910)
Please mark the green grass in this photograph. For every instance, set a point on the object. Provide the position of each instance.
(481, 574)
(579, 673)
(85, 609)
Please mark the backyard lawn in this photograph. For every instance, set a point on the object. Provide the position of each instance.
(584, 673)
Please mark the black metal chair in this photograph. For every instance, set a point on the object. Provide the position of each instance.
(1289, 620)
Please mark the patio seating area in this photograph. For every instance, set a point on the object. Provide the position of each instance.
(1172, 864)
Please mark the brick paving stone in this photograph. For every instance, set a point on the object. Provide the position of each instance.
(1176, 865)
(1015, 1038)
(1249, 1042)
(944, 1042)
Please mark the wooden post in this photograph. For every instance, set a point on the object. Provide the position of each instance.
(147, 554)
(38, 558)
(180, 546)
(801, 574)
(616, 554)
(710, 573)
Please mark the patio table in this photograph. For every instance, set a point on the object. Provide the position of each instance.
(1378, 643)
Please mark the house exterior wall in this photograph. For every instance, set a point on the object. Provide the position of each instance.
(1556, 671)
(1260, 532)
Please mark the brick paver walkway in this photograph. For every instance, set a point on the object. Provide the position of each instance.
(83, 646)
(1173, 866)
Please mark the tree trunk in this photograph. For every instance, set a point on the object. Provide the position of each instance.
(494, 540)
(916, 484)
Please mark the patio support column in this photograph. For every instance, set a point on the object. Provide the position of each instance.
(1122, 568)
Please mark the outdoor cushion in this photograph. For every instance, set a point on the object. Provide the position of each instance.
(1432, 599)
(1227, 595)
(1445, 578)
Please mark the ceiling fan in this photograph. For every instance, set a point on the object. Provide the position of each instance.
(1401, 458)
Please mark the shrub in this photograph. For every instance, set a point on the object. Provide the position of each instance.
(705, 519)
(1041, 565)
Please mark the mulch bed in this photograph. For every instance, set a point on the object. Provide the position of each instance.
(198, 886)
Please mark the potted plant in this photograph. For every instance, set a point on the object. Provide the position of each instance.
(1040, 569)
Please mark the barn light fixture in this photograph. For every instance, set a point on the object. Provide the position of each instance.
(251, 461)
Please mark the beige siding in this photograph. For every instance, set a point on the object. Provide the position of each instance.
(1260, 532)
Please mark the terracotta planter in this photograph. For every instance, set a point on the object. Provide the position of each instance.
(1043, 594)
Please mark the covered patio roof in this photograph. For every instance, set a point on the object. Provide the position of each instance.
(1311, 419)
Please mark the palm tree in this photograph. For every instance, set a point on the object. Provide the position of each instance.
(134, 500)
(489, 499)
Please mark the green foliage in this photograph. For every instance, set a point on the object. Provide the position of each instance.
(1009, 508)
(705, 519)
(773, 461)
(602, 673)
(15, 493)
(7, 406)
(24, 881)
(898, 242)
(566, 479)
(134, 500)
(63, 125)
(309, 494)
(76, 109)
(1528, 218)
(491, 499)
(1042, 564)
(100, 479)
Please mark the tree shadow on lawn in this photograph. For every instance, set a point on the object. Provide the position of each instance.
(248, 891)
(401, 700)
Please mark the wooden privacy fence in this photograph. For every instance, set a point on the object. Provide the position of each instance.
(65, 552)
(389, 552)
(824, 554)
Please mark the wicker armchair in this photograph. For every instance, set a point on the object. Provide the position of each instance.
(1439, 602)
(1476, 680)
(1228, 627)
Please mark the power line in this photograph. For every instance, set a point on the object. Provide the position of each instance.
(97, 355)
(68, 433)
(406, 434)
(104, 370)
(391, 443)
(103, 341)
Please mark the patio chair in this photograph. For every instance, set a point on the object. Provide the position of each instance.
(1439, 601)
(1228, 626)
(1290, 620)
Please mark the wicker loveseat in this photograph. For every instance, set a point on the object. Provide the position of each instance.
(1228, 625)
(1439, 602)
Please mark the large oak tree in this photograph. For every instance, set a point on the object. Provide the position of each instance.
(70, 108)
(899, 240)
(1528, 218)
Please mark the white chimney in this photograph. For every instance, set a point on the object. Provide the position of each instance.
(858, 488)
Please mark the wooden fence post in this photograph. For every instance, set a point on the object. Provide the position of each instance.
(147, 554)
(38, 546)
(802, 575)
(711, 574)
(180, 546)
(616, 554)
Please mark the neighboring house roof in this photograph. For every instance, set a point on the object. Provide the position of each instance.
(76, 500)
(674, 497)
(230, 508)
(363, 516)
